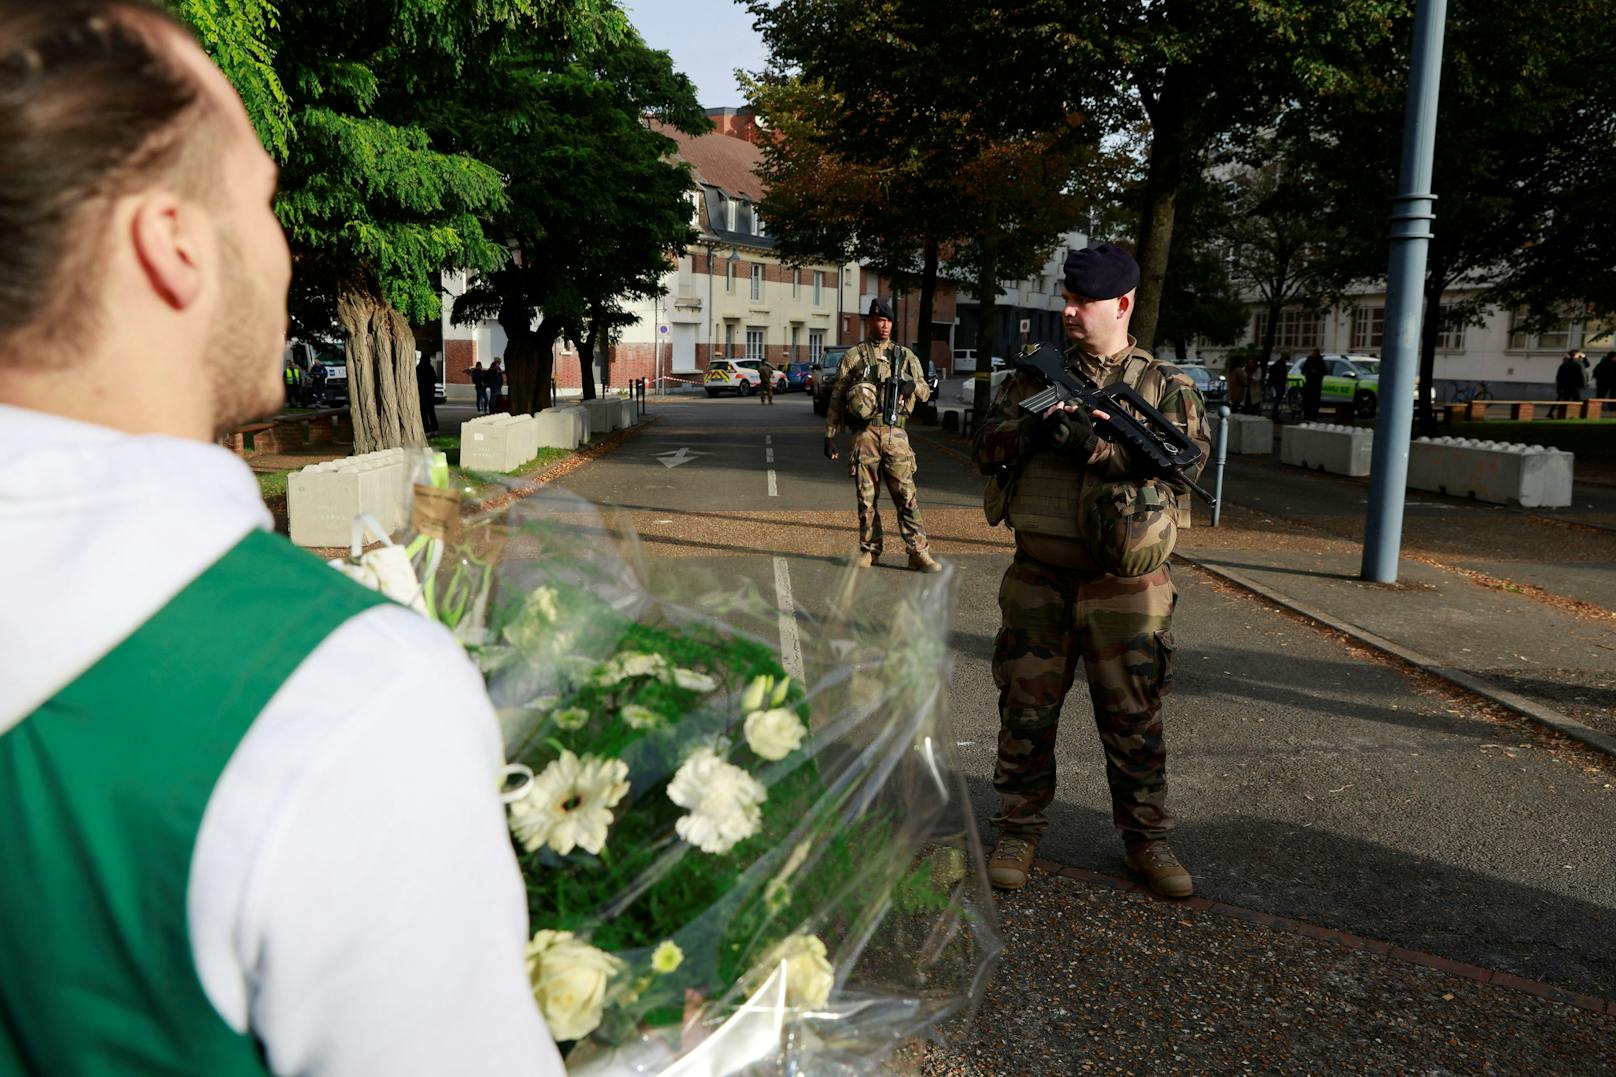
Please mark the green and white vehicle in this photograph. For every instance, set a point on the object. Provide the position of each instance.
(1350, 380)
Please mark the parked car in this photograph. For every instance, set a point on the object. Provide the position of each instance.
(729, 376)
(825, 371)
(798, 376)
(1350, 379)
(1214, 387)
(781, 383)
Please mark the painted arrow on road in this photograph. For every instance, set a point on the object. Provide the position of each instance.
(677, 457)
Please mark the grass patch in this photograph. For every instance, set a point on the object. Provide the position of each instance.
(272, 484)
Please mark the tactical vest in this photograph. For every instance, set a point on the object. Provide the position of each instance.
(1047, 492)
(864, 395)
(102, 792)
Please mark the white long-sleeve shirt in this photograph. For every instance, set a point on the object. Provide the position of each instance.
(353, 899)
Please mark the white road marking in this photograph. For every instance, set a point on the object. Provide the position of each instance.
(768, 456)
(768, 439)
(790, 642)
(677, 457)
(774, 486)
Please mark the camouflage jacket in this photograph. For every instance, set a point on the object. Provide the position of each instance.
(1009, 435)
(868, 362)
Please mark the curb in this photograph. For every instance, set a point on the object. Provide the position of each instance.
(530, 484)
(1536, 712)
(1379, 947)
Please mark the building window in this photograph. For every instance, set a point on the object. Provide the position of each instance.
(729, 340)
(1521, 340)
(796, 339)
(754, 342)
(1452, 338)
(757, 281)
(816, 344)
(819, 287)
(1298, 329)
(796, 283)
(741, 218)
(729, 277)
(1368, 328)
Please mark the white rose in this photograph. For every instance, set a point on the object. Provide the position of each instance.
(808, 974)
(725, 802)
(569, 979)
(774, 734)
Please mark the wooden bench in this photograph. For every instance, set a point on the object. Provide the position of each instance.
(288, 433)
(1523, 410)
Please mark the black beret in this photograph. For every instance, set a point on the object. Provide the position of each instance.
(1102, 272)
(880, 308)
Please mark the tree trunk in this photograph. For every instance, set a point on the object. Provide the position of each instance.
(1430, 330)
(1167, 152)
(530, 364)
(382, 396)
(928, 290)
(586, 363)
(987, 294)
(1276, 304)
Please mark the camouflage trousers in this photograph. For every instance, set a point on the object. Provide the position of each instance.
(766, 391)
(883, 451)
(1121, 627)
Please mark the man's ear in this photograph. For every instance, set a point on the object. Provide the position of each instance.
(163, 232)
(1124, 305)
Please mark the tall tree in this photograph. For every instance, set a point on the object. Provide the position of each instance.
(1523, 104)
(236, 33)
(598, 203)
(374, 210)
(1208, 73)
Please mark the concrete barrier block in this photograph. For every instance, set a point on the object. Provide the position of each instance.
(1340, 450)
(323, 499)
(560, 428)
(1248, 434)
(1499, 472)
(628, 413)
(491, 443)
(603, 415)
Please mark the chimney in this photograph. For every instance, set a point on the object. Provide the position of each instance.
(737, 123)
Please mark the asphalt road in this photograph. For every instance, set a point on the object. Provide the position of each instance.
(1311, 780)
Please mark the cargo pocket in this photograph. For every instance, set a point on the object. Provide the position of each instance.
(1164, 661)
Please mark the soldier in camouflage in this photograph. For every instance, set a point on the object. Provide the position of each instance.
(1089, 579)
(880, 451)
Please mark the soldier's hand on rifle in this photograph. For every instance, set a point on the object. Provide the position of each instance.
(1069, 429)
(906, 388)
(830, 448)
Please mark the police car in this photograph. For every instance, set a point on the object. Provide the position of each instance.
(1348, 380)
(732, 376)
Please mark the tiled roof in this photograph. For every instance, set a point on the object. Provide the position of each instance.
(721, 160)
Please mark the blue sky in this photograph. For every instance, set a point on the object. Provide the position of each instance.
(708, 39)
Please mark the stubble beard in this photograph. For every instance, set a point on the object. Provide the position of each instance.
(244, 345)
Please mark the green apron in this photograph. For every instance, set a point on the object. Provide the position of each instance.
(102, 791)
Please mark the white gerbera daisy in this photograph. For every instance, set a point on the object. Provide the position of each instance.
(570, 804)
(725, 802)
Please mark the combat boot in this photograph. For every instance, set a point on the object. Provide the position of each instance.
(865, 559)
(1011, 860)
(921, 561)
(1163, 873)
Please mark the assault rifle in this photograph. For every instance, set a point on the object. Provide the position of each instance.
(1153, 444)
(892, 388)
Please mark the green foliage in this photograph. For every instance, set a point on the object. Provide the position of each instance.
(236, 33)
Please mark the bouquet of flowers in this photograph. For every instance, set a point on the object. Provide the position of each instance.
(732, 865)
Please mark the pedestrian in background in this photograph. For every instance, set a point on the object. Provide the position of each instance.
(1569, 382)
(1090, 581)
(1239, 378)
(1254, 386)
(426, 386)
(1279, 372)
(1314, 369)
(480, 384)
(495, 379)
(1605, 377)
(881, 452)
(249, 821)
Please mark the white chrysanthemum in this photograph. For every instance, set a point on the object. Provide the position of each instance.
(725, 802)
(695, 682)
(571, 718)
(629, 665)
(570, 804)
(543, 604)
(773, 734)
(808, 973)
(639, 717)
(753, 695)
(569, 979)
(666, 957)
